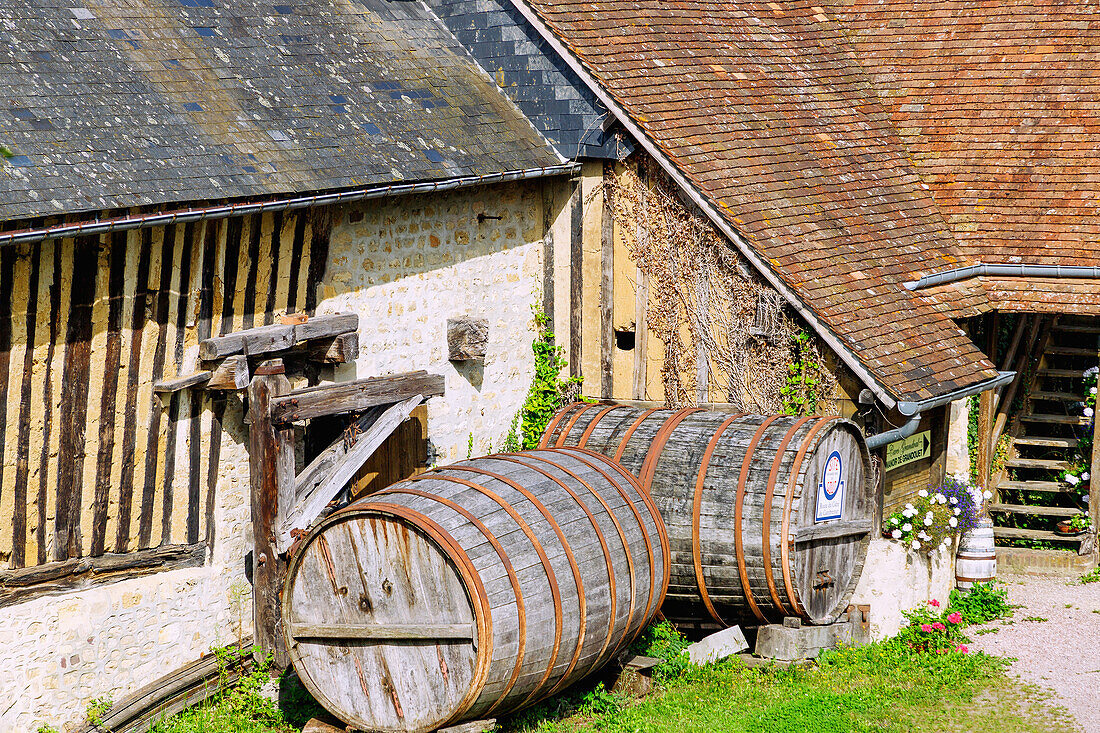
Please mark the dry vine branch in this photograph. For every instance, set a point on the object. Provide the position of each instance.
(702, 298)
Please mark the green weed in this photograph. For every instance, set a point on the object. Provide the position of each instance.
(983, 603)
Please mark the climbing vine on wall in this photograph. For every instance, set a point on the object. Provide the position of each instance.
(548, 392)
(705, 304)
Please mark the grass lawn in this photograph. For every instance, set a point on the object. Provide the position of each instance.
(882, 687)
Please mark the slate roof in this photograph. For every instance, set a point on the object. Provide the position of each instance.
(761, 106)
(119, 104)
(531, 74)
(998, 106)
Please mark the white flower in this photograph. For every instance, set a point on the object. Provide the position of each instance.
(958, 511)
(915, 545)
(1087, 412)
(928, 521)
(929, 515)
(987, 494)
(1092, 390)
(925, 536)
(909, 513)
(1085, 476)
(1072, 480)
(896, 534)
(947, 540)
(907, 527)
(923, 493)
(895, 520)
(1091, 370)
(954, 501)
(909, 506)
(953, 522)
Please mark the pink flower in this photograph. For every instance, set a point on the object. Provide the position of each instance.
(926, 628)
(934, 603)
(962, 648)
(938, 626)
(955, 618)
(941, 651)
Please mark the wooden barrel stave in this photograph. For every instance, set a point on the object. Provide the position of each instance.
(779, 446)
(583, 527)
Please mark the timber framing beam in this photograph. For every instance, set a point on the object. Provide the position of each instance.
(334, 399)
(279, 337)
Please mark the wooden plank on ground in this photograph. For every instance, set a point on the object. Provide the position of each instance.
(333, 399)
(278, 337)
(310, 504)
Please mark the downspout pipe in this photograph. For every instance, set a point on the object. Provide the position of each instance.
(278, 204)
(1004, 270)
(913, 410)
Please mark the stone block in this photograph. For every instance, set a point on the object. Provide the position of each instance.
(717, 646)
(467, 338)
(790, 643)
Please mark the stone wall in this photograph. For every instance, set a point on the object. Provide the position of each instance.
(405, 266)
(61, 651)
(896, 579)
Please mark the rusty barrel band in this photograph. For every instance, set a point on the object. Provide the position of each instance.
(696, 518)
(622, 535)
(513, 580)
(739, 505)
(551, 577)
(788, 503)
(581, 600)
(629, 432)
(482, 611)
(649, 467)
(766, 517)
(545, 440)
(573, 421)
(599, 536)
(592, 425)
(654, 513)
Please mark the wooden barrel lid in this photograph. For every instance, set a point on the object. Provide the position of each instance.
(831, 528)
(380, 616)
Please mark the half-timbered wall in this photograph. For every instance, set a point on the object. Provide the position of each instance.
(94, 461)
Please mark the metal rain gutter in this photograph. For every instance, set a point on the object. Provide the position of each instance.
(1004, 270)
(913, 410)
(284, 204)
(716, 218)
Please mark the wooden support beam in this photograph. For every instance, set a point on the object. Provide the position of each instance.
(167, 386)
(279, 337)
(333, 399)
(271, 447)
(315, 473)
(342, 349)
(831, 530)
(1094, 484)
(230, 374)
(313, 499)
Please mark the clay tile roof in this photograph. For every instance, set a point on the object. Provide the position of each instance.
(121, 104)
(763, 108)
(998, 106)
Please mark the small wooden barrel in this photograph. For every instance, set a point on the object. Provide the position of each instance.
(976, 560)
(768, 516)
(474, 589)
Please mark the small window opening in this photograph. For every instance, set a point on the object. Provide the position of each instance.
(624, 340)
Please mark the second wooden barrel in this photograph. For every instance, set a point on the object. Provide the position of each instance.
(474, 589)
(767, 516)
(976, 560)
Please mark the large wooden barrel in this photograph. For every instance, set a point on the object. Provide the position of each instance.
(474, 589)
(976, 560)
(768, 516)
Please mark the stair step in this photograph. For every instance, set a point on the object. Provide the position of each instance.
(1070, 351)
(1052, 464)
(1013, 533)
(1052, 486)
(1068, 373)
(1056, 419)
(1077, 328)
(1059, 396)
(1046, 442)
(1041, 511)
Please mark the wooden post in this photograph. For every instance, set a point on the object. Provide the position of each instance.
(1094, 491)
(985, 450)
(271, 454)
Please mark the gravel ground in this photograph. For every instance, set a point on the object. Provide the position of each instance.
(1060, 652)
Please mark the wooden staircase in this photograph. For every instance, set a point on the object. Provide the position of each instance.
(1029, 497)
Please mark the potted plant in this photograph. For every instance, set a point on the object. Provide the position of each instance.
(1076, 524)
